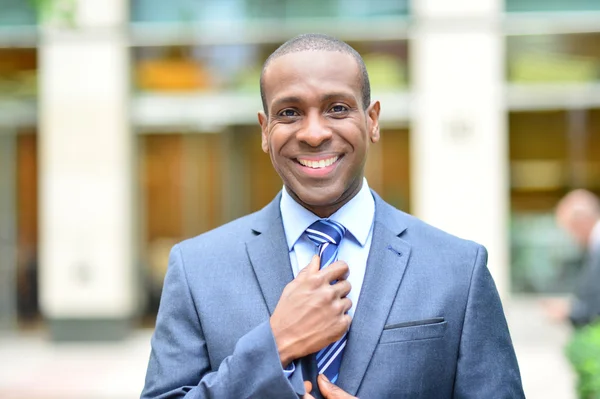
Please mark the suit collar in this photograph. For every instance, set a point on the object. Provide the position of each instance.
(265, 218)
(393, 219)
(296, 219)
(358, 214)
(270, 216)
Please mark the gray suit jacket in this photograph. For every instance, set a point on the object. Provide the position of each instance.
(429, 322)
(585, 308)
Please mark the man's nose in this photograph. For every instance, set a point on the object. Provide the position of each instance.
(314, 132)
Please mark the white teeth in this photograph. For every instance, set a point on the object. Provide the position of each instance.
(318, 164)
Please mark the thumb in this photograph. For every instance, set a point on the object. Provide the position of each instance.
(331, 391)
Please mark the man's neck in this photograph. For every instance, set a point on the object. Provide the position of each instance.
(328, 210)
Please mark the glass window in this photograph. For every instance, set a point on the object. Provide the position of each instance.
(17, 12)
(551, 152)
(554, 133)
(18, 185)
(551, 5)
(210, 10)
(573, 58)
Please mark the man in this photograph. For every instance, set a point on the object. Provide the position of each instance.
(578, 213)
(259, 307)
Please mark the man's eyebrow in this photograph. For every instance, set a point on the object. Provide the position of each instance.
(286, 100)
(337, 95)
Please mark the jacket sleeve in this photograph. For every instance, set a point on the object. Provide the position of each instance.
(487, 365)
(179, 365)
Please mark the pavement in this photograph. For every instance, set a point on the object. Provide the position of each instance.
(32, 367)
(539, 345)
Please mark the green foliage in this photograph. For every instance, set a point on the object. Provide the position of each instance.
(583, 351)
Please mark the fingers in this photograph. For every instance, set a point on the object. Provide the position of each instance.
(346, 304)
(308, 388)
(331, 391)
(336, 271)
(348, 320)
(342, 287)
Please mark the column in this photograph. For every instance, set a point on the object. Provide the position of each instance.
(459, 134)
(87, 273)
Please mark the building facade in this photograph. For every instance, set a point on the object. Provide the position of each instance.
(126, 126)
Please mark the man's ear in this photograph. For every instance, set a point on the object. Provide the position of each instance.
(373, 121)
(263, 122)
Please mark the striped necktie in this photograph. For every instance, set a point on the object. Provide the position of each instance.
(328, 234)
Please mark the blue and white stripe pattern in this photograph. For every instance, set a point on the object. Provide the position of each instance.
(328, 234)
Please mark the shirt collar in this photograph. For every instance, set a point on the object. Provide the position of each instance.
(356, 216)
(594, 242)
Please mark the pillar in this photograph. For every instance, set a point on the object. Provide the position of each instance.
(87, 274)
(459, 135)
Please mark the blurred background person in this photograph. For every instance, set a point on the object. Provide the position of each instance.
(578, 213)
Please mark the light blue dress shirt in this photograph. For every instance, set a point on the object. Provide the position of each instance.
(356, 216)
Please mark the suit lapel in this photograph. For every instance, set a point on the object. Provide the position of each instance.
(387, 261)
(269, 255)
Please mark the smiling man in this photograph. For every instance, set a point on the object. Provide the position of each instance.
(328, 279)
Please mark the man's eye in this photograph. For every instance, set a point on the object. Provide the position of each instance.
(338, 109)
(288, 113)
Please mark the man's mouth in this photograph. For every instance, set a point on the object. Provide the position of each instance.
(320, 164)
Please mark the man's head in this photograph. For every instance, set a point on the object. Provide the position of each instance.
(318, 121)
(319, 42)
(577, 213)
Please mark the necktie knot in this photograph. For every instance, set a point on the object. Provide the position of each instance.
(326, 231)
(327, 235)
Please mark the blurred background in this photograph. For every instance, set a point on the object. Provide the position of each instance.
(126, 126)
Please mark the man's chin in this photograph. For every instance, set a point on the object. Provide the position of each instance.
(319, 197)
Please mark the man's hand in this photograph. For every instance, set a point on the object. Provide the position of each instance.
(311, 312)
(556, 309)
(328, 390)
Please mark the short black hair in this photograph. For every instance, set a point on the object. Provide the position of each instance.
(318, 42)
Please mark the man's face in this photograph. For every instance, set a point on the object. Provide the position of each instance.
(316, 130)
(579, 229)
